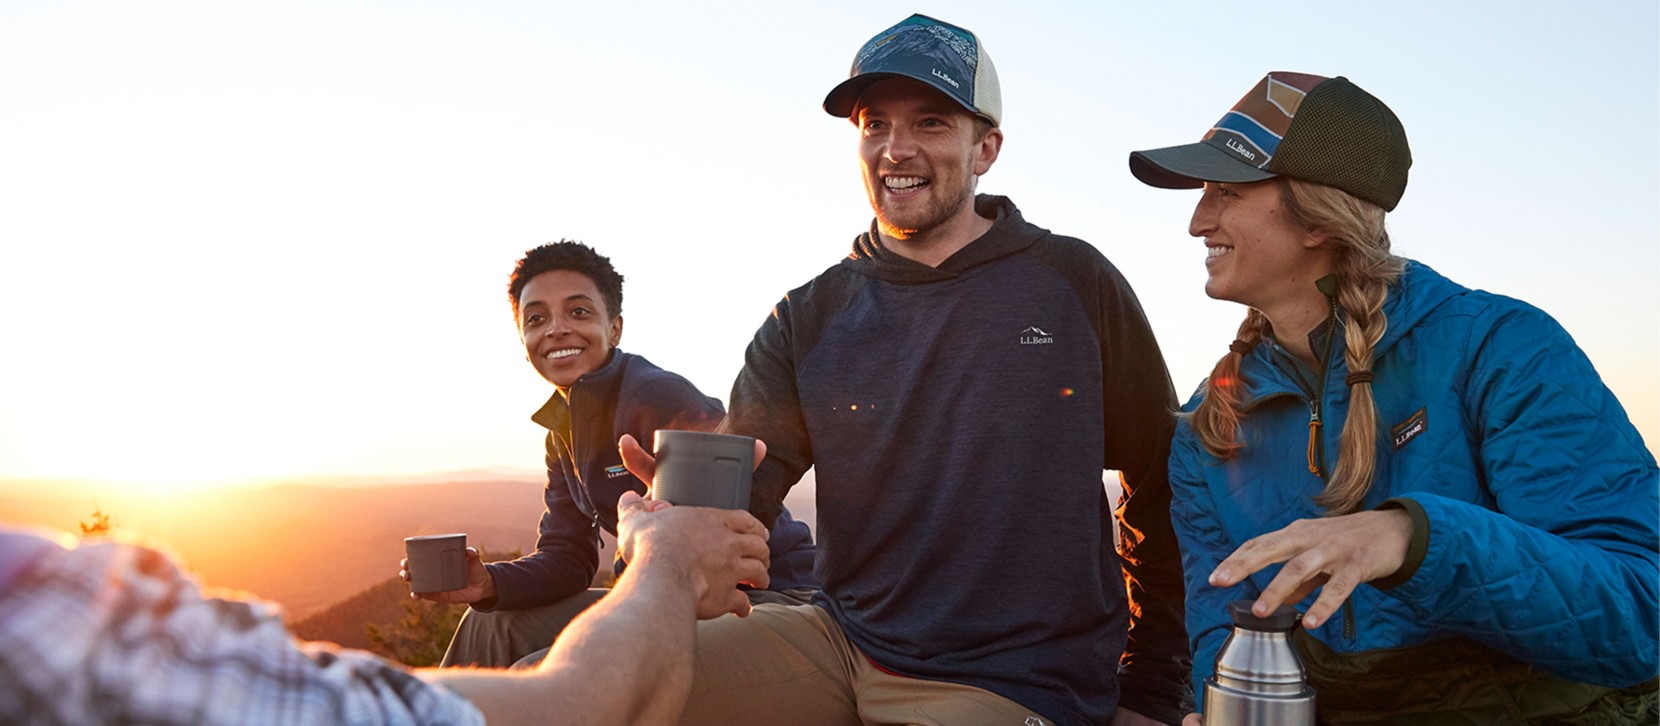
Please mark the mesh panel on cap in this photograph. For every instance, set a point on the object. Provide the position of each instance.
(1343, 137)
(988, 93)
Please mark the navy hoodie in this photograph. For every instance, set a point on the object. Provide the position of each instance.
(959, 419)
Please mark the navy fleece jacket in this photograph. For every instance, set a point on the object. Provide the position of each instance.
(628, 395)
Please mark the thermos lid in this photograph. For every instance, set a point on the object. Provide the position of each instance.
(1283, 619)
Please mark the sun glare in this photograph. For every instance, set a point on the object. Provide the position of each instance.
(139, 465)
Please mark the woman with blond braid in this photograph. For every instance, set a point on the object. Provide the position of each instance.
(1435, 476)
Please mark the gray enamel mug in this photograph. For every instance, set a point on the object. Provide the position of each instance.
(437, 562)
(697, 469)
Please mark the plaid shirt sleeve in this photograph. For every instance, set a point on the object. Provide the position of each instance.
(106, 632)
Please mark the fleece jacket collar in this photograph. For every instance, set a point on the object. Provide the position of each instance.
(600, 384)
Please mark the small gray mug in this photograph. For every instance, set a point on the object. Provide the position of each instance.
(437, 562)
(697, 469)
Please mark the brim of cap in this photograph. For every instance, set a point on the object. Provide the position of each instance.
(1191, 165)
(839, 102)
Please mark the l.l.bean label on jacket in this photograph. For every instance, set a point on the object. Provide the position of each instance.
(612, 472)
(1406, 430)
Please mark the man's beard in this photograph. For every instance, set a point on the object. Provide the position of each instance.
(913, 221)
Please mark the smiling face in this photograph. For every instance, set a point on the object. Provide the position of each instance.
(1254, 255)
(566, 329)
(920, 153)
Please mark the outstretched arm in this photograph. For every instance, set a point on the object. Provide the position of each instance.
(628, 659)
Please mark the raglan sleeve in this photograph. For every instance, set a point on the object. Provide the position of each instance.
(1563, 571)
(766, 404)
(670, 402)
(1140, 406)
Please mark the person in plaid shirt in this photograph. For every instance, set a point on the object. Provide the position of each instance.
(112, 632)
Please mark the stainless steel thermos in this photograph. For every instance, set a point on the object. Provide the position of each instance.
(1259, 680)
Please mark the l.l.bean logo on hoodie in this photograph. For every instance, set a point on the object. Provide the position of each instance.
(1409, 429)
(1033, 335)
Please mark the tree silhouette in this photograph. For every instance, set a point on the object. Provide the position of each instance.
(420, 636)
(100, 525)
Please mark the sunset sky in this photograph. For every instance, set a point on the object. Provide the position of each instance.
(242, 242)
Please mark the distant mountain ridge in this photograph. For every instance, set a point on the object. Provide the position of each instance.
(310, 546)
(305, 547)
(382, 604)
(345, 622)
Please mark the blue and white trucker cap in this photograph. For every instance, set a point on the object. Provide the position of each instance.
(920, 48)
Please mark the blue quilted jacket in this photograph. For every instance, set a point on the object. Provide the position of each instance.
(1540, 496)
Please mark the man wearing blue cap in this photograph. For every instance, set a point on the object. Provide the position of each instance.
(959, 383)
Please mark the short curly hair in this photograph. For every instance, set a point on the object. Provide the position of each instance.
(568, 255)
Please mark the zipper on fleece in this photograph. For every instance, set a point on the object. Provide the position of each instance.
(588, 500)
(1316, 441)
(1314, 454)
(581, 488)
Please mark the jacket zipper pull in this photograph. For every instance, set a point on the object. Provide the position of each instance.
(1313, 441)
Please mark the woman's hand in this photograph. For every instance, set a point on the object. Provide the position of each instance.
(1334, 554)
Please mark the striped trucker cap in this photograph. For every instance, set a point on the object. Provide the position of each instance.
(1322, 130)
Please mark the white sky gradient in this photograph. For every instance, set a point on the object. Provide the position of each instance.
(246, 241)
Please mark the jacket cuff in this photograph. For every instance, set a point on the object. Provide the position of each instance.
(1416, 548)
(485, 606)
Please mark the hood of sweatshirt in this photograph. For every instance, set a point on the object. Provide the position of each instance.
(1009, 233)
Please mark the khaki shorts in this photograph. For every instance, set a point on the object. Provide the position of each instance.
(792, 666)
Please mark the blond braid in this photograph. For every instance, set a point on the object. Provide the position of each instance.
(1363, 327)
(1365, 270)
(1216, 421)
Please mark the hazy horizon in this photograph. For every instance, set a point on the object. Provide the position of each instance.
(74, 501)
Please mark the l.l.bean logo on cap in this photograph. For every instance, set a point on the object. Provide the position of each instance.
(1241, 150)
(1253, 128)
